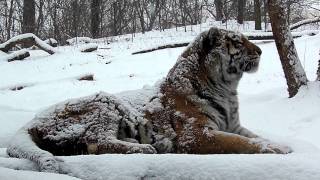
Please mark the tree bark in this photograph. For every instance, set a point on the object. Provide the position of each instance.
(318, 71)
(241, 7)
(161, 47)
(10, 20)
(293, 70)
(95, 18)
(29, 19)
(75, 17)
(40, 19)
(219, 11)
(257, 15)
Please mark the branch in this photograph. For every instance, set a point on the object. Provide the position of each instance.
(161, 47)
(28, 40)
(250, 36)
(304, 22)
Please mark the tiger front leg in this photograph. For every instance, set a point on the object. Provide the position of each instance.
(268, 146)
(219, 142)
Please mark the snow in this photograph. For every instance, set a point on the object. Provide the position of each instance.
(28, 175)
(264, 108)
(79, 40)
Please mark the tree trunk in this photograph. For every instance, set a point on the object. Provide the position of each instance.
(140, 11)
(75, 17)
(257, 15)
(318, 72)
(10, 20)
(56, 31)
(95, 18)
(241, 8)
(40, 19)
(29, 19)
(293, 70)
(219, 11)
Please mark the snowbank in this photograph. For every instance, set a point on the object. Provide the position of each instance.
(6, 174)
(294, 166)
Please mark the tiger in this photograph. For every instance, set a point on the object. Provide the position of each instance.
(193, 110)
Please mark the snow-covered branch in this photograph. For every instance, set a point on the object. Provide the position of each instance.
(304, 22)
(162, 47)
(250, 36)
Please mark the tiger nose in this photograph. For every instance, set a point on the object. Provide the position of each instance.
(258, 50)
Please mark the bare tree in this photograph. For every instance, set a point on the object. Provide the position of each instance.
(9, 21)
(95, 17)
(29, 12)
(241, 8)
(257, 15)
(40, 19)
(219, 10)
(293, 70)
(75, 17)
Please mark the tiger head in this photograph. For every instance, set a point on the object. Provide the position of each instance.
(229, 54)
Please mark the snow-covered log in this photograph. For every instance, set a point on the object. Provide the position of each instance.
(87, 77)
(52, 42)
(298, 166)
(18, 55)
(304, 22)
(89, 47)
(29, 40)
(162, 47)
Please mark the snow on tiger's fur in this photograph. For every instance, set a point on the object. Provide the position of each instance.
(193, 110)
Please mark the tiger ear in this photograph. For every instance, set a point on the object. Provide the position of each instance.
(210, 39)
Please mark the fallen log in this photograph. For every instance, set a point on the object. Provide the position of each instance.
(52, 42)
(18, 55)
(304, 22)
(250, 36)
(162, 47)
(27, 40)
(87, 77)
(89, 47)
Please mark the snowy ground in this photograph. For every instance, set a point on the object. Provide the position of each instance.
(264, 108)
